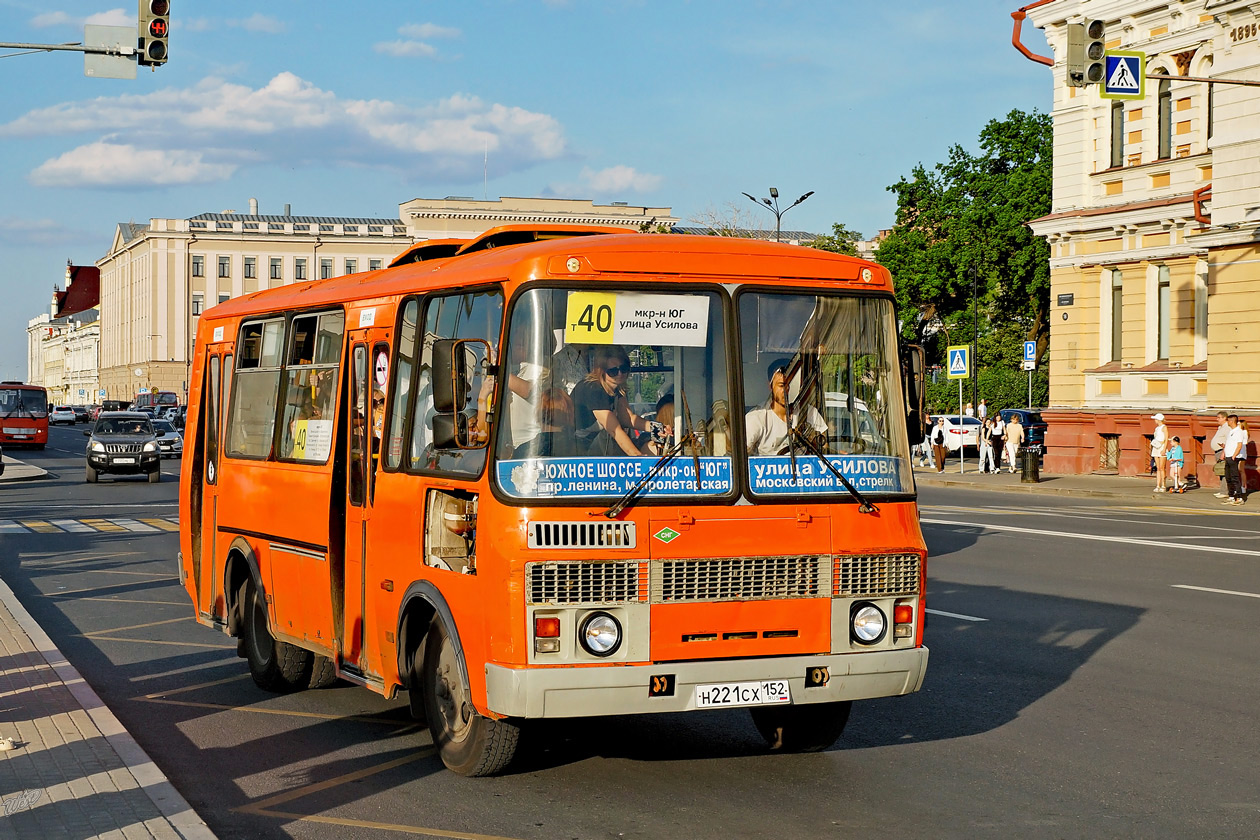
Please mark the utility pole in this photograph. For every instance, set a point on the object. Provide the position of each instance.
(975, 350)
(774, 207)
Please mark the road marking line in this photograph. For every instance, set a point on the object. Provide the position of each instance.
(955, 615)
(218, 663)
(161, 524)
(1217, 591)
(224, 707)
(159, 694)
(1210, 549)
(68, 592)
(133, 525)
(41, 527)
(155, 642)
(144, 505)
(72, 526)
(135, 626)
(103, 525)
(9, 527)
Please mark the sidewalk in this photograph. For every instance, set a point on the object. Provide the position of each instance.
(1134, 489)
(71, 770)
(20, 471)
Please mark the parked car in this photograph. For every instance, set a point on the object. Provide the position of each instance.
(1030, 419)
(123, 443)
(81, 413)
(1, 460)
(170, 443)
(62, 414)
(960, 432)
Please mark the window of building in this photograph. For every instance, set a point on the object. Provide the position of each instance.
(277, 270)
(198, 303)
(352, 266)
(225, 266)
(1117, 133)
(1165, 121)
(325, 269)
(251, 267)
(198, 266)
(375, 265)
(224, 297)
(1211, 102)
(299, 268)
(1117, 314)
(1164, 320)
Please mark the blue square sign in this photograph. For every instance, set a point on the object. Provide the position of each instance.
(1125, 75)
(1030, 351)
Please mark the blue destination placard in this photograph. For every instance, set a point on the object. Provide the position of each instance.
(556, 478)
(772, 475)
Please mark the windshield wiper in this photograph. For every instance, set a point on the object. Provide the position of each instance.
(689, 436)
(864, 505)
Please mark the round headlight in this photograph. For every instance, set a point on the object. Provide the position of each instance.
(600, 634)
(151, 446)
(97, 446)
(869, 624)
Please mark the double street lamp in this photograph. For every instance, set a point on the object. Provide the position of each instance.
(774, 207)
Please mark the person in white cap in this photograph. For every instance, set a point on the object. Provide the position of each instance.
(1159, 451)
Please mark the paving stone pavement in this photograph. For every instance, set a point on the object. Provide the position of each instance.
(72, 771)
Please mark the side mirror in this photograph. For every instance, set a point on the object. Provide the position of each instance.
(87, 432)
(912, 377)
(455, 364)
(456, 431)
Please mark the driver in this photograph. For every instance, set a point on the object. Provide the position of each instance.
(767, 426)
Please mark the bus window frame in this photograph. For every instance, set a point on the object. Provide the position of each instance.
(423, 301)
(285, 382)
(841, 496)
(721, 288)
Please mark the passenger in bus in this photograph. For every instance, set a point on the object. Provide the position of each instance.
(524, 384)
(556, 437)
(569, 364)
(605, 423)
(767, 427)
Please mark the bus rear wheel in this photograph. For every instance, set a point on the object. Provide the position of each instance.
(470, 745)
(812, 727)
(275, 666)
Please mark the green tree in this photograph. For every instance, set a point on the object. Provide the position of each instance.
(841, 240)
(970, 213)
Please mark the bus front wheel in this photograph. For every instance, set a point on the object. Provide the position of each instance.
(470, 745)
(812, 727)
(275, 666)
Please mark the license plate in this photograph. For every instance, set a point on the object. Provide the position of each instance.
(124, 460)
(720, 695)
(18, 432)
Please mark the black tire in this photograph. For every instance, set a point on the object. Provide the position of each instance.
(155, 476)
(323, 672)
(470, 745)
(812, 727)
(91, 474)
(275, 666)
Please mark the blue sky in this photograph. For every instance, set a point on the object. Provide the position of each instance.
(353, 108)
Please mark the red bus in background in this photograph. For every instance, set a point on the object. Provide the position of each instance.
(23, 414)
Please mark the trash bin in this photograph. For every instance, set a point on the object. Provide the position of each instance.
(1031, 464)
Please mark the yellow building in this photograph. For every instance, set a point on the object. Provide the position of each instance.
(1154, 234)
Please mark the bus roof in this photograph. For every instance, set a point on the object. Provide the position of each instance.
(520, 252)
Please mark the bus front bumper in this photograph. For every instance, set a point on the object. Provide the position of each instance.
(622, 690)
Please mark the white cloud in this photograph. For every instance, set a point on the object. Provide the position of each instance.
(405, 49)
(259, 22)
(21, 231)
(207, 132)
(427, 30)
(614, 180)
(114, 17)
(108, 164)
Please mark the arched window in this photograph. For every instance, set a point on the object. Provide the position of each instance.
(1165, 119)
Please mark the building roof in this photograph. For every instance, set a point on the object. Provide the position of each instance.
(763, 235)
(83, 290)
(300, 220)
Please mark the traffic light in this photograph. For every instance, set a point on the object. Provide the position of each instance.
(154, 30)
(1086, 53)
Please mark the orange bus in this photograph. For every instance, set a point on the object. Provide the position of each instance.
(565, 472)
(23, 414)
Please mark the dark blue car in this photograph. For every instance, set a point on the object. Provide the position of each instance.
(1034, 426)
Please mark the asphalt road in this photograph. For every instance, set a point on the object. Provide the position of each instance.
(1093, 674)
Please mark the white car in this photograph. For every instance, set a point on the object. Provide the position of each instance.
(62, 414)
(170, 442)
(959, 434)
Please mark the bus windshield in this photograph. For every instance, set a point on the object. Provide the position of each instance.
(598, 385)
(822, 379)
(23, 402)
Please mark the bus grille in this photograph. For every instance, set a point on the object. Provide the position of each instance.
(581, 535)
(579, 582)
(739, 579)
(876, 575)
(123, 448)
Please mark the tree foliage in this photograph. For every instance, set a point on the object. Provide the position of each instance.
(970, 213)
(841, 240)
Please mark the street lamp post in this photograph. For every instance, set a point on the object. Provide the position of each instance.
(774, 207)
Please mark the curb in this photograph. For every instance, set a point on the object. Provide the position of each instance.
(169, 802)
(1043, 488)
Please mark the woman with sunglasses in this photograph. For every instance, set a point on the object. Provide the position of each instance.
(605, 423)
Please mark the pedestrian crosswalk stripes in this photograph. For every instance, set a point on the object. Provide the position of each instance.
(146, 525)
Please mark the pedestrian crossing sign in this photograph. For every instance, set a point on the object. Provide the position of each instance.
(1125, 76)
(959, 362)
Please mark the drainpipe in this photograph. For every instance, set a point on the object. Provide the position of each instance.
(1019, 16)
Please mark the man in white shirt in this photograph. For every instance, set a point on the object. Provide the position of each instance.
(1218, 451)
(767, 427)
(1235, 457)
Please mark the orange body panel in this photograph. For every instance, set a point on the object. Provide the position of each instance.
(741, 628)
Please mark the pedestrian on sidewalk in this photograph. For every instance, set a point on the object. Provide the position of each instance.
(1218, 453)
(1159, 451)
(938, 443)
(982, 410)
(969, 411)
(1235, 457)
(986, 446)
(1014, 439)
(999, 435)
(1176, 461)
